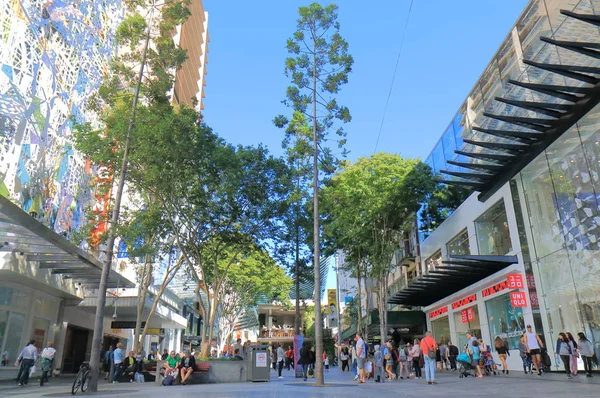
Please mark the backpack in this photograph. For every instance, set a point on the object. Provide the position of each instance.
(402, 354)
(139, 377)
(168, 381)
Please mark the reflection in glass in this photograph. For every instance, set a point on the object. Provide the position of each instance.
(441, 330)
(505, 321)
(469, 326)
(459, 245)
(493, 234)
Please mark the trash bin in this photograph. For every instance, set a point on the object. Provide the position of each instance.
(259, 363)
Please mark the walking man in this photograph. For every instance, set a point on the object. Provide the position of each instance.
(534, 346)
(26, 359)
(361, 356)
(428, 348)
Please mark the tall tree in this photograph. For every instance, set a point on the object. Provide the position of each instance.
(318, 67)
(143, 71)
(370, 203)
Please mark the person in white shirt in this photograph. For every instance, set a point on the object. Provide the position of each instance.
(25, 360)
(280, 357)
(534, 346)
(47, 358)
(361, 356)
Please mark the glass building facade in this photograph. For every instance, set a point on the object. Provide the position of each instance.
(556, 197)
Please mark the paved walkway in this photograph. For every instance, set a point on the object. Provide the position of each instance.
(342, 385)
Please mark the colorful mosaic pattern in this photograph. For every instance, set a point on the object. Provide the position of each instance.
(53, 56)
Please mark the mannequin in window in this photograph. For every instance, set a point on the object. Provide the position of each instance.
(492, 241)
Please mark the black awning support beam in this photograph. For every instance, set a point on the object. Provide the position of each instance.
(520, 136)
(492, 157)
(575, 46)
(536, 124)
(473, 185)
(469, 176)
(592, 19)
(538, 107)
(561, 92)
(499, 145)
(564, 70)
(476, 166)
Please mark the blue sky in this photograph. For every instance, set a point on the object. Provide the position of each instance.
(447, 46)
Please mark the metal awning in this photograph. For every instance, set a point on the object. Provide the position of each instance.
(452, 276)
(518, 130)
(21, 233)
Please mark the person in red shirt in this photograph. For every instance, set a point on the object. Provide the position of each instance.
(289, 358)
(428, 348)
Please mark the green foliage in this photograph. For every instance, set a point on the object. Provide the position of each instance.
(440, 204)
(131, 31)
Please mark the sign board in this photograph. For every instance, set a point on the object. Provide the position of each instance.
(331, 302)
(155, 331)
(348, 300)
(124, 324)
(498, 287)
(463, 316)
(470, 314)
(261, 359)
(515, 281)
(465, 301)
(533, 299)
(298, 340)
(438, 312)
(518, 299)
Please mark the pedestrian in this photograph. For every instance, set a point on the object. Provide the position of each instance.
(415, 353)
(403, 363)
(289, 358)
(280, 355)
(187, 366)
(361, 356)
(5, 356)
(452, 354)
(325, 361)
(429, 348)
(387, 360)
(395, 360)
(106, 362)
(274, 357)
(503, 352)
(565, 349)
(238, 346)
(534, 346)
(25, 361)
(378, 362)
(409, 360)
(475, 353)
(117, 361)
(470, 339)
(586, 349)
(525, 357)
(344, 358)
(575, 355)
(354, 360)
(304, 360)
(47, 359)
(443, 358)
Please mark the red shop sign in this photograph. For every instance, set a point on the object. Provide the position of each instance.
(515, 281)
(470, 314)
(517, 299)
(494, 289)
(533, 299)
(463, 315)
(438, 312)
(465, 301)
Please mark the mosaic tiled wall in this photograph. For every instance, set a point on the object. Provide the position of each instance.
(53, 56)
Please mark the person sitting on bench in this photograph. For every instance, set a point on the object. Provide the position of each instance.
(187, 367)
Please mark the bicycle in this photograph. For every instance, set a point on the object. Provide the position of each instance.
(82, 380)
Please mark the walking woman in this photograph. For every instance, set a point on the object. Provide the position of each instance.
(586, 349)
(344, 358)
(575, 354)
(305, 359)
(387, 356)
(415, 353)
(525, 357)
(503, 352)
(409, 360)
(564, 349)
(475, 353)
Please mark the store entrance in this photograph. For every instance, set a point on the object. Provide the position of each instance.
(441, 330)
(76, 348)
(467, 320)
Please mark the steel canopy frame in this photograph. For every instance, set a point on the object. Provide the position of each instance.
(533, 134)
(21, 233)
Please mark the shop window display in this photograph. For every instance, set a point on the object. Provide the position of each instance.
(434, 261)
(493, 234)
(459, 245)
(504, 320)
(464, 325)
(441, 329)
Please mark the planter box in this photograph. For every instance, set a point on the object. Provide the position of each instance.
(221, 371)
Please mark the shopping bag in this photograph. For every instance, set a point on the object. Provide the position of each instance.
(31, 370)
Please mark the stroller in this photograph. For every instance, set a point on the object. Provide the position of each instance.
(487, 361)
(466, 366)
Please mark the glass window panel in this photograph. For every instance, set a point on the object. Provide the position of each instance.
(5, 296)
(463, 327)
(44, 307)
(505, 321)
(434, 261)
(16, 324)
(533, 24)
(459, 245)
(493, 234)
(439, 162)
(459, 124)
(3, 327)
(41, 327)
(440, 328)
(491, 86)
(449, 144)
(20, 300)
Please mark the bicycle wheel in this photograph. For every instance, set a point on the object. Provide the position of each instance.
(86, 381)
(77, 383)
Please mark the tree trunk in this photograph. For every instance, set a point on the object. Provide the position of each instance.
(297, 314)
(114, 220)
(368, 291)
(382, 309)
(358, 277)
(319, 381)
(142, 294)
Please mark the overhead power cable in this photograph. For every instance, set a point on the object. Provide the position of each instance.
(387, 101)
